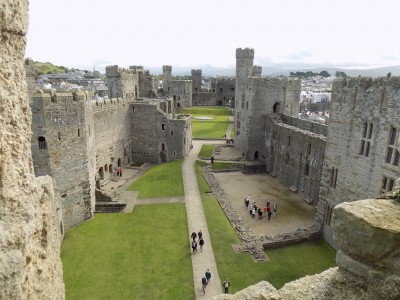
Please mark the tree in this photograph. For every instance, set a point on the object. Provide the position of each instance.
(340, 74)
(324, 74)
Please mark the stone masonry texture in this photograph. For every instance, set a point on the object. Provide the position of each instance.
(30, 232)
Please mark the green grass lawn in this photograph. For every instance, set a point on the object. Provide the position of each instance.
(206, 151)
(162, 180)
(142, 255)
(215, 128)
(218, 166)
(286, 264)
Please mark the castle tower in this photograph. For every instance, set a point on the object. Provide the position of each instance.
(167, 70)
(256, 72)
(196, 81)
(244, 69)
(123, 83)
(63, 147)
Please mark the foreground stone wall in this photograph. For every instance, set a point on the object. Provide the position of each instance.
(368, 235)
(30, 264)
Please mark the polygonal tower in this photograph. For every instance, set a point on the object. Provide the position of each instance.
(167, 70)
(196, 81)
(244, 69)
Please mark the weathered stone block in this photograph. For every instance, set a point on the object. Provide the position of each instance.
(369, 230)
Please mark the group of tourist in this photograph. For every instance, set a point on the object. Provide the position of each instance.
(251, 206)
(205, 280)
(207, 275)
(118, 171)
(194, 235)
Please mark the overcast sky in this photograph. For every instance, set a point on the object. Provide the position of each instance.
(186, 33)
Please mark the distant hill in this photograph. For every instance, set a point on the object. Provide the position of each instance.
(208, 70)
(41, 68)
(395, 70)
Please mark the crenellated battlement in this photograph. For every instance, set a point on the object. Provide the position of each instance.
(244, 53)
(379, 93)
(105, 104)
(167, 68)
(256, 72)
(52, 97)
(196, 72)
(276, 81)
(368, 82)
(115, 71)
(137, 69)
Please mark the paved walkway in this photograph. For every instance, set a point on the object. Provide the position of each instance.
(201, 261)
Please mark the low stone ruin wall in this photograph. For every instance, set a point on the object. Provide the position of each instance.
(249, 242)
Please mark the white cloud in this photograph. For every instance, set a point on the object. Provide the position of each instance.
(191, 33)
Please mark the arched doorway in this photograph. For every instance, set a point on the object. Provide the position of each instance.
(276, 107)
(178, 105)
(256, 155)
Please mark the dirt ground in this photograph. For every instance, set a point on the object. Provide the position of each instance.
(293, 211)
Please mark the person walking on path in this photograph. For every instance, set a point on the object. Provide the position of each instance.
(194, 246)
(269, 214)
(274, 210)
(194, 236)
(208, 275)
(200, 234)
(204, 283)
(201, 243)
(226, 285)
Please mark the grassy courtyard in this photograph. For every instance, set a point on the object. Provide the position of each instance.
(142, 255)
(286, 264)
(215, 128)
(162, 180)
(146, 254)
(206, 151)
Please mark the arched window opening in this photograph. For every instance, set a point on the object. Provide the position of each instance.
(276, 107)
(101, 173)
(42, 142)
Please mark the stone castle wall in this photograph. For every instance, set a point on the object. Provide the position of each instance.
(181, 92)
(30, 228)
(80, 142)
(157, 137)
(60, 130)
(122, 83)
(261, 96)
(305, 125)
(196, 81)
(365, 112)
(223, 89)
(294, 155)
(113, 136)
